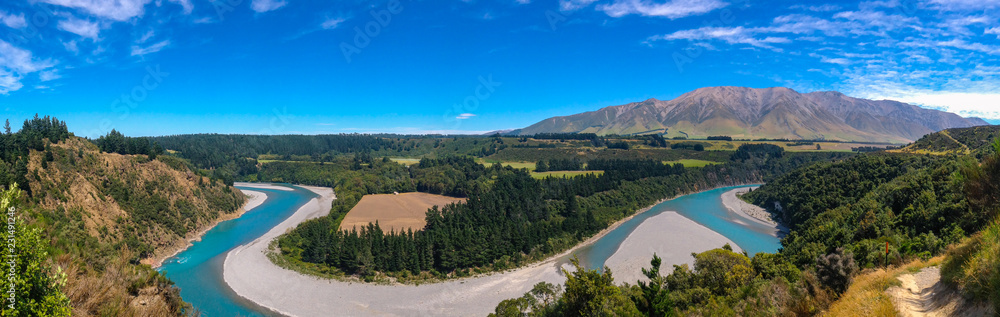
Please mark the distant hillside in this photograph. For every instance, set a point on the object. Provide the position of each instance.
(762, 113)
(958, 140)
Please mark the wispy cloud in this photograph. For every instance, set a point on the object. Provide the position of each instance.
(118, 10)
(571, 5)
(465, 116)
(49, 75)
(965, 4)
(817, 8)
(994, 31)
(139, 51)
(267, 5)
(84, 28)
(185, 4)
(15, 63)
(733, 35)
(672, 9)
(13, 21)
(982, 105)
(332, 23)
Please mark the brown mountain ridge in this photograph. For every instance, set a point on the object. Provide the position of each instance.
(777, 112)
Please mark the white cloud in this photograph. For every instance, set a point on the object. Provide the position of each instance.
(413, 131)
(332, 23)
(966, 104)
(961, 5)
(119, 10)
(267, 5)
(9, 82)
(139, 51)
(13, 21)
(877, 20)
(672, 9)
(994, 31)
(185, 4)
(978, 47)
(71, 46)
(80, 27)
(819, 8)
(465, 116)
(145, 37)
(48, 75)
(835, 60)
(15, 63)
(735, 35)
(572, 5)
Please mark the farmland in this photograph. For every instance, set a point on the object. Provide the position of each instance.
(394, 212)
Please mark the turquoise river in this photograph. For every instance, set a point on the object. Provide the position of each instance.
(197, 271)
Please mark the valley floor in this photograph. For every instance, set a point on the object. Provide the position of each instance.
(252, 275)
(670, 236)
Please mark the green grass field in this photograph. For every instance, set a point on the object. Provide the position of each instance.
(564, 174)
(692, 163)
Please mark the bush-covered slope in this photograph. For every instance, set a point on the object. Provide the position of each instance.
(915, 203)
(100, 214)
(959, 140)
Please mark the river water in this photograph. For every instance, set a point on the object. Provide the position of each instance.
(198, 270)
(705, 208)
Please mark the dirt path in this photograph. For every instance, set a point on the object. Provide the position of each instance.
(923, 294)
(966, 147)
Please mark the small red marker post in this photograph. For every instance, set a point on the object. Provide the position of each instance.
(887, 255)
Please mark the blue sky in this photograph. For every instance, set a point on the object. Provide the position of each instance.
(155, 67)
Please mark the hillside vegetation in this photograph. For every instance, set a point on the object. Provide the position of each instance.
(974, 267)
(842, 216)
(101, 214)
(956, 141)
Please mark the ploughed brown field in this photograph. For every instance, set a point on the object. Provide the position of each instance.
(395, 212)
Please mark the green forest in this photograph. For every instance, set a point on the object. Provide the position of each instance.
(511, 218)
(841, 214)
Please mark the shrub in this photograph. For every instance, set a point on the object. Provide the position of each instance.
(836, 269)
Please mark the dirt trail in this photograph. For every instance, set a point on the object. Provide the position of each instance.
(923, 294)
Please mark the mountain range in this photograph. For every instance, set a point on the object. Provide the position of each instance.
(773, 113)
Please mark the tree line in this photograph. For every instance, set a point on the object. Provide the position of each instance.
(116, 142)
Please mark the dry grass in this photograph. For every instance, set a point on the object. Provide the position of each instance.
(405, 161)
(119, 289)
(974, 266)
(867, 295)
(529, 165)
(716, 145)
(395, 212)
